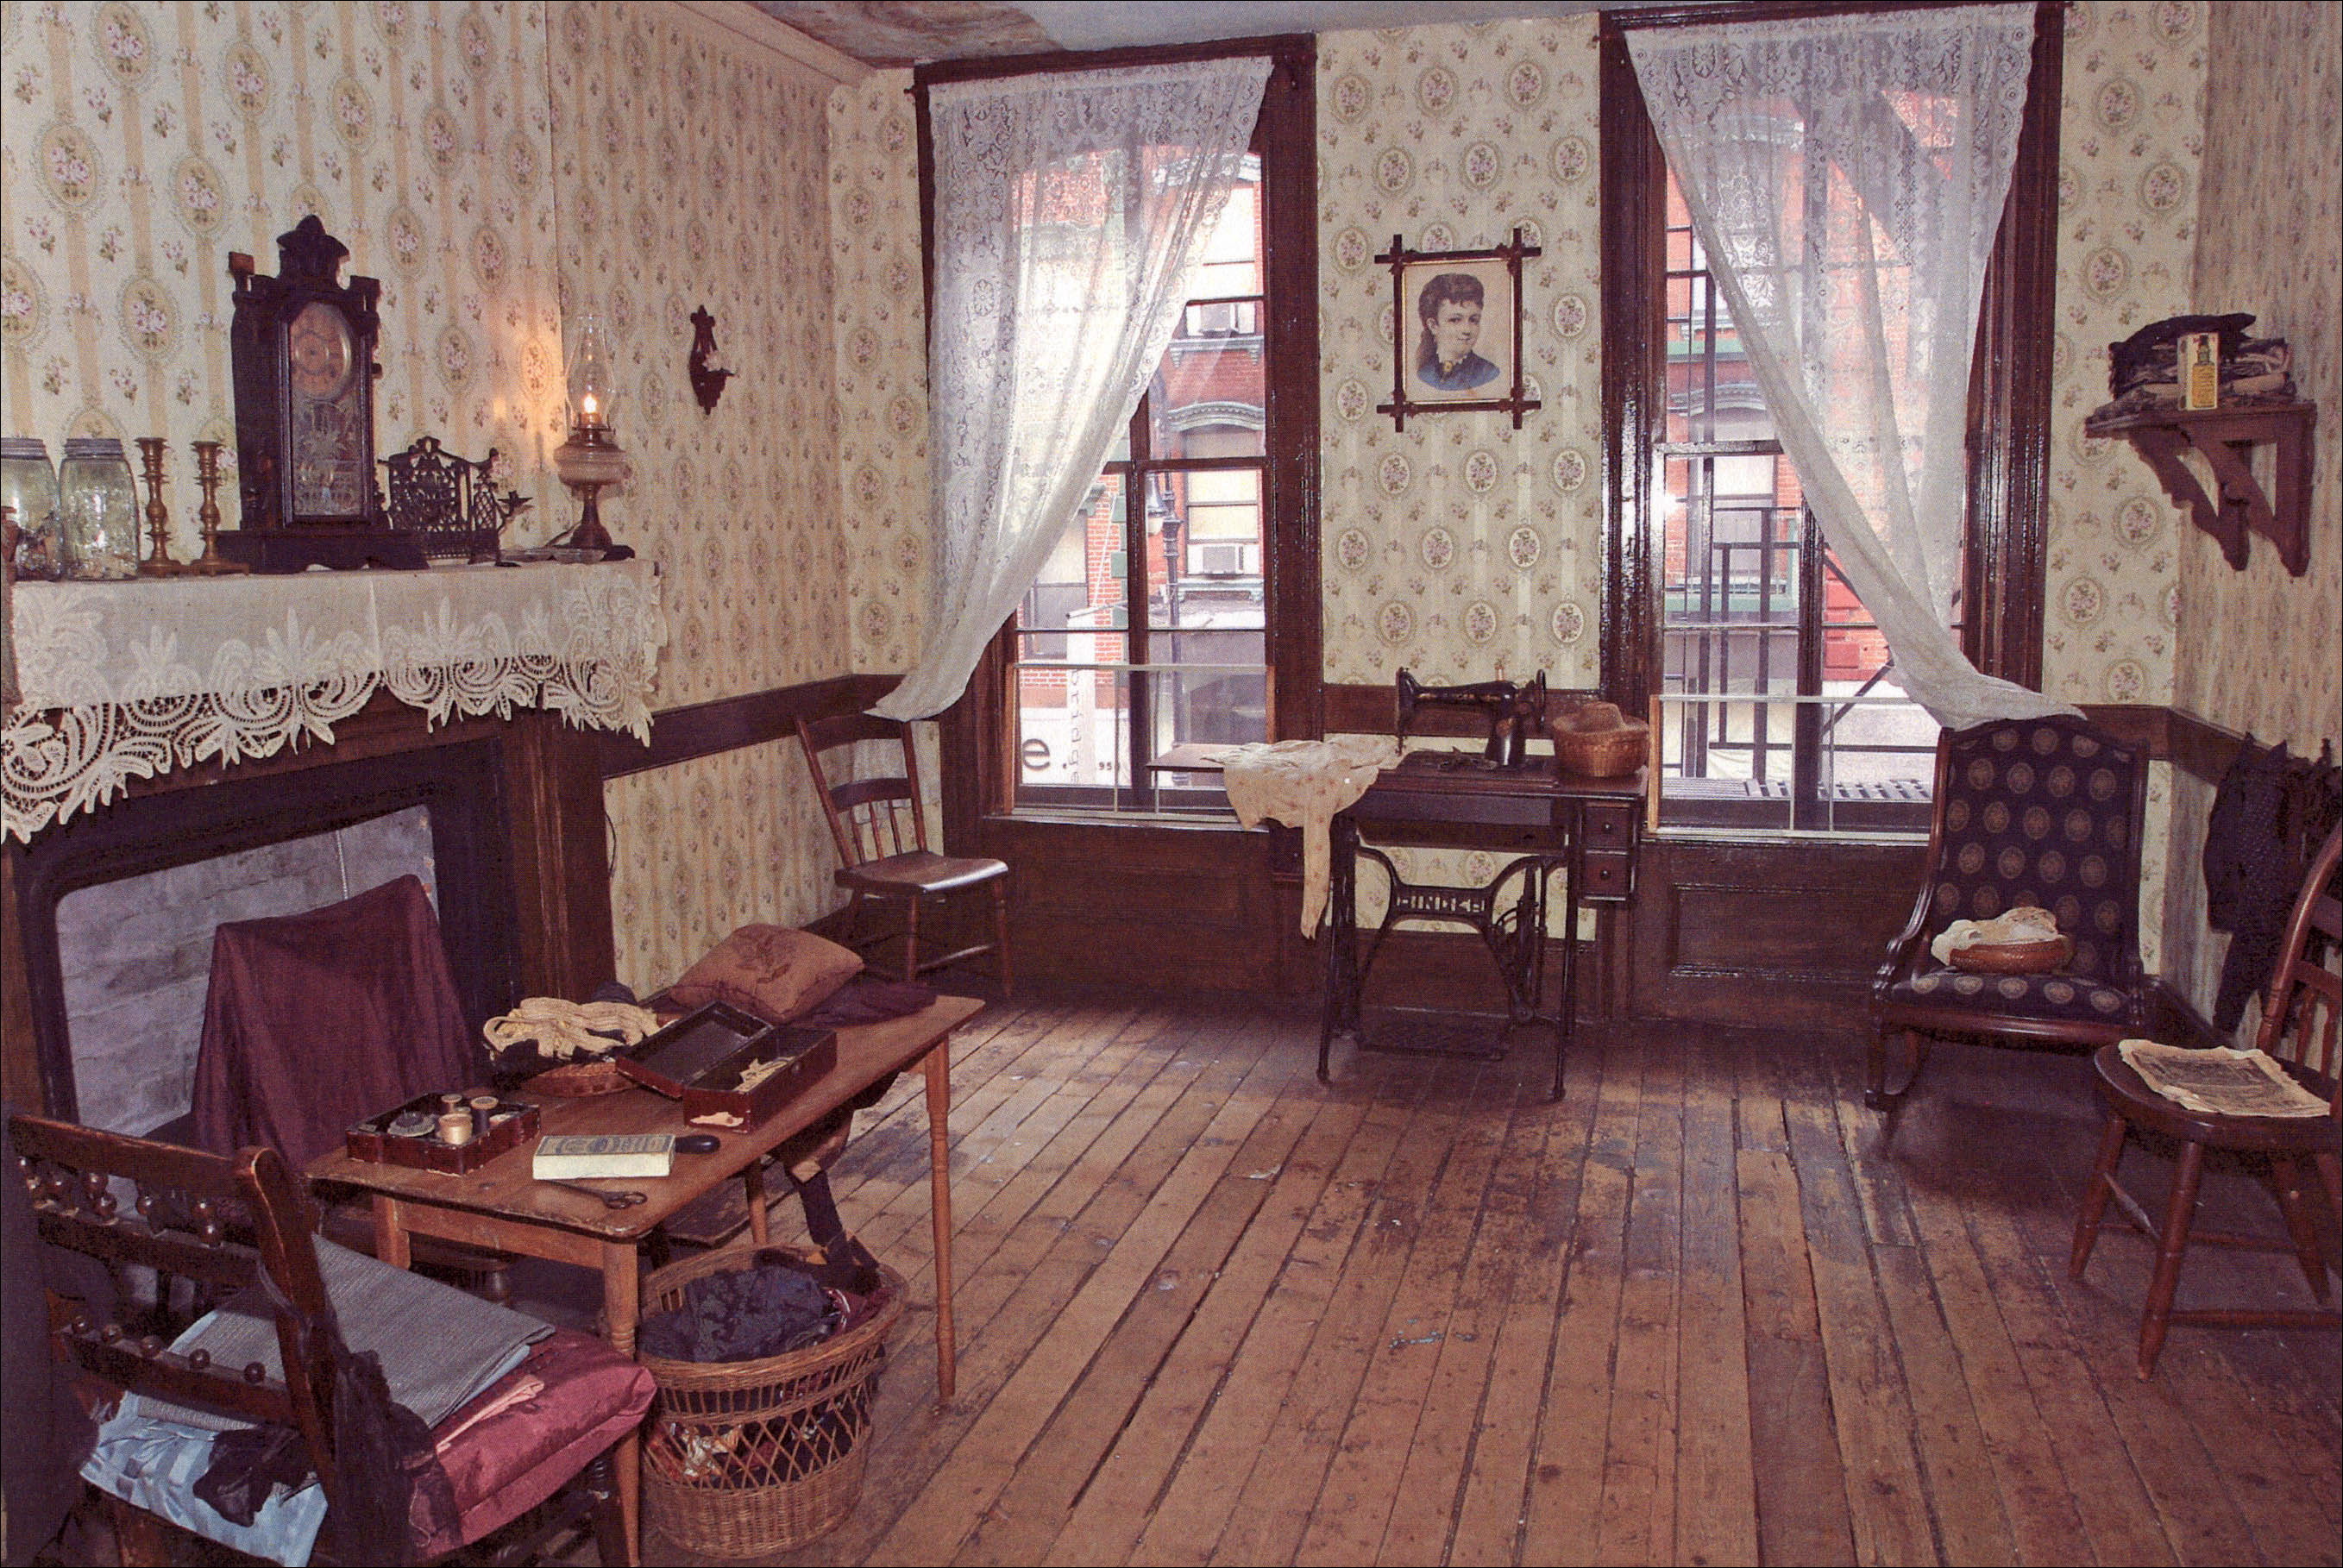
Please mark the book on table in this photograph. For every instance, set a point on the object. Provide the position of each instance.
(567, 1156)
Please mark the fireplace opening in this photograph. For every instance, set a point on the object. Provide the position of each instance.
(117, 908)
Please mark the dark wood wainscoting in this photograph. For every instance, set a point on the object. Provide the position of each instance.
(1160, 908)
(1788, 933)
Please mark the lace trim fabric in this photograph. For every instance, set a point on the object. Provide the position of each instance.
(127, 680)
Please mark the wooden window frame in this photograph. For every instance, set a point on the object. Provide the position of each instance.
(978, 754)
(2008, 436)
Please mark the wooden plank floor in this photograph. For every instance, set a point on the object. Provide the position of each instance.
(1705, 1309)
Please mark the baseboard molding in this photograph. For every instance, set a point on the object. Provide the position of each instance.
(2173, 1019)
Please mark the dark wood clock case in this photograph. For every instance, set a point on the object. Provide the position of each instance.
(302, 345)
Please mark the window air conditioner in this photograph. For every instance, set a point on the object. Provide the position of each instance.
(1222, 559)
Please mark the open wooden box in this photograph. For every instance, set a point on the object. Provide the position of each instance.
(702, 1058)
(512, 1121)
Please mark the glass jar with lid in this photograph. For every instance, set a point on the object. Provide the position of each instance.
(29, 484)
(98, 507)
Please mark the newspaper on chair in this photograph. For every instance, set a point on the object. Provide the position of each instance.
(2221, 1082)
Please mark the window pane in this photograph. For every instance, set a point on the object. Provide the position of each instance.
(1073, 727)
(1209, 562)
(1079, 588)
(1207, 397)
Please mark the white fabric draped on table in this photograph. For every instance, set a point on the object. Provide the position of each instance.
(1302, 784)
(128, 680)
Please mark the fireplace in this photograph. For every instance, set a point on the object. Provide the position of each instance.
(505, 816)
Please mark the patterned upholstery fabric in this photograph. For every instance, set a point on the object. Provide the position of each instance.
(2039, 812)
(2065, 997)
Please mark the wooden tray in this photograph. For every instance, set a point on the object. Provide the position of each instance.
(701, 1059)
(372, 1139)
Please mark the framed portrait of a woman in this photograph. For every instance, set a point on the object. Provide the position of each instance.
(1457, 330)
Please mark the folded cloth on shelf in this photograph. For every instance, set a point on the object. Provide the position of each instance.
(1302, 784)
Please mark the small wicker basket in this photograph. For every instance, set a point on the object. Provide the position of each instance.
(2014, 958)
(1593, 741)
(747, 1459)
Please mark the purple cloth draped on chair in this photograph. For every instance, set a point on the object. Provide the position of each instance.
(316, 1021)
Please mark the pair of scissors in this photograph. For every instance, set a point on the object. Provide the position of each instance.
(609, 1200)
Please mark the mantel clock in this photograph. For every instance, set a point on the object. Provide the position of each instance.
(303, 347)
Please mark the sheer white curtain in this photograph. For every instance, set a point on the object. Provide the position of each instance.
(1071, 211)
(1846, 175)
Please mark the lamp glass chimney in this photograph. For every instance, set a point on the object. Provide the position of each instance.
(593, 391)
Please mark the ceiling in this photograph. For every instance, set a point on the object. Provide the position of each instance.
(907, 32)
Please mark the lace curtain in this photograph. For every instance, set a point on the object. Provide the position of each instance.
(1070, 210)
(1846, 176)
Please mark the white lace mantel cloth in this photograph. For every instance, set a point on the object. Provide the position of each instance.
(130, 679)
(1302, 784)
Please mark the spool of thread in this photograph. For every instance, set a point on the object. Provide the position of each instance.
(484, 1107)
(456, 1128)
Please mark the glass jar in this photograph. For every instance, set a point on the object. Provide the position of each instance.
(29, 484)
(98, 506)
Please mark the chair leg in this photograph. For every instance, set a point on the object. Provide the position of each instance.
(608, 1518)
(2286, 1180)
(2095, 1196)
(1877, 1095)
(1000, 934)
(2180, 1213)
(141, 1539)
(912, 940)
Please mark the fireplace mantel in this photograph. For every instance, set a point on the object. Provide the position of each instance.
(478, 692)
(128, 680)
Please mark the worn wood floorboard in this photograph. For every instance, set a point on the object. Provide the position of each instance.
(1707, 1310)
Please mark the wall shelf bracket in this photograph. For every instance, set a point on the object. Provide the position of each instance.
(2226, 438)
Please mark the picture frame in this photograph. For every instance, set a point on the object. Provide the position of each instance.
(1456, 330)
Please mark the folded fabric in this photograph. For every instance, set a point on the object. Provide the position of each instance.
(742, 1314)
(438, 1346)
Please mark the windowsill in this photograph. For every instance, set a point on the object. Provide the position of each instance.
(1031, 814)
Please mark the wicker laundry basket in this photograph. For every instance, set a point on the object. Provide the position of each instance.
(745, 1458)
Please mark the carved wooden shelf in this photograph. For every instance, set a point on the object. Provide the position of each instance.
(2226, 439)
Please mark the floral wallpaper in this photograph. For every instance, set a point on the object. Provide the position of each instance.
(1459, 543)
(144, 142)
(2258, 649)
(883, 365)
(2131, 137)
(689, 171)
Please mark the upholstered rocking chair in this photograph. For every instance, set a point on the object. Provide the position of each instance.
(2036, 811)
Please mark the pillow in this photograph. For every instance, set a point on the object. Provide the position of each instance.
(772, 971)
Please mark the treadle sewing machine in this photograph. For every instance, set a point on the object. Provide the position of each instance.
(1498, 800)
(1515, 711)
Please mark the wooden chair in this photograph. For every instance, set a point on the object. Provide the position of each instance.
(880, 861)
(2045, 812)
(231, 1222)
(2298, 1026)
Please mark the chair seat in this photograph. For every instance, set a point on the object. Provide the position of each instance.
(2049, 998)
(2130, 1097)
(504, 1464)
(917, 871)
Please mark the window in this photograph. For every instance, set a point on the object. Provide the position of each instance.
(1147, 632)
(1180, 607)
(1754, 609)
(1777, 697)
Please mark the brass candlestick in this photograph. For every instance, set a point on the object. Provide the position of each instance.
(158, 562)
(211, 563)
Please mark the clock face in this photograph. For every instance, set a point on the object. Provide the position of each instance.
(328, 407)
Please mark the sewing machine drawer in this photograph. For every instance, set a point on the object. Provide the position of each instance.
(1610, 875)
(1610, 825)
